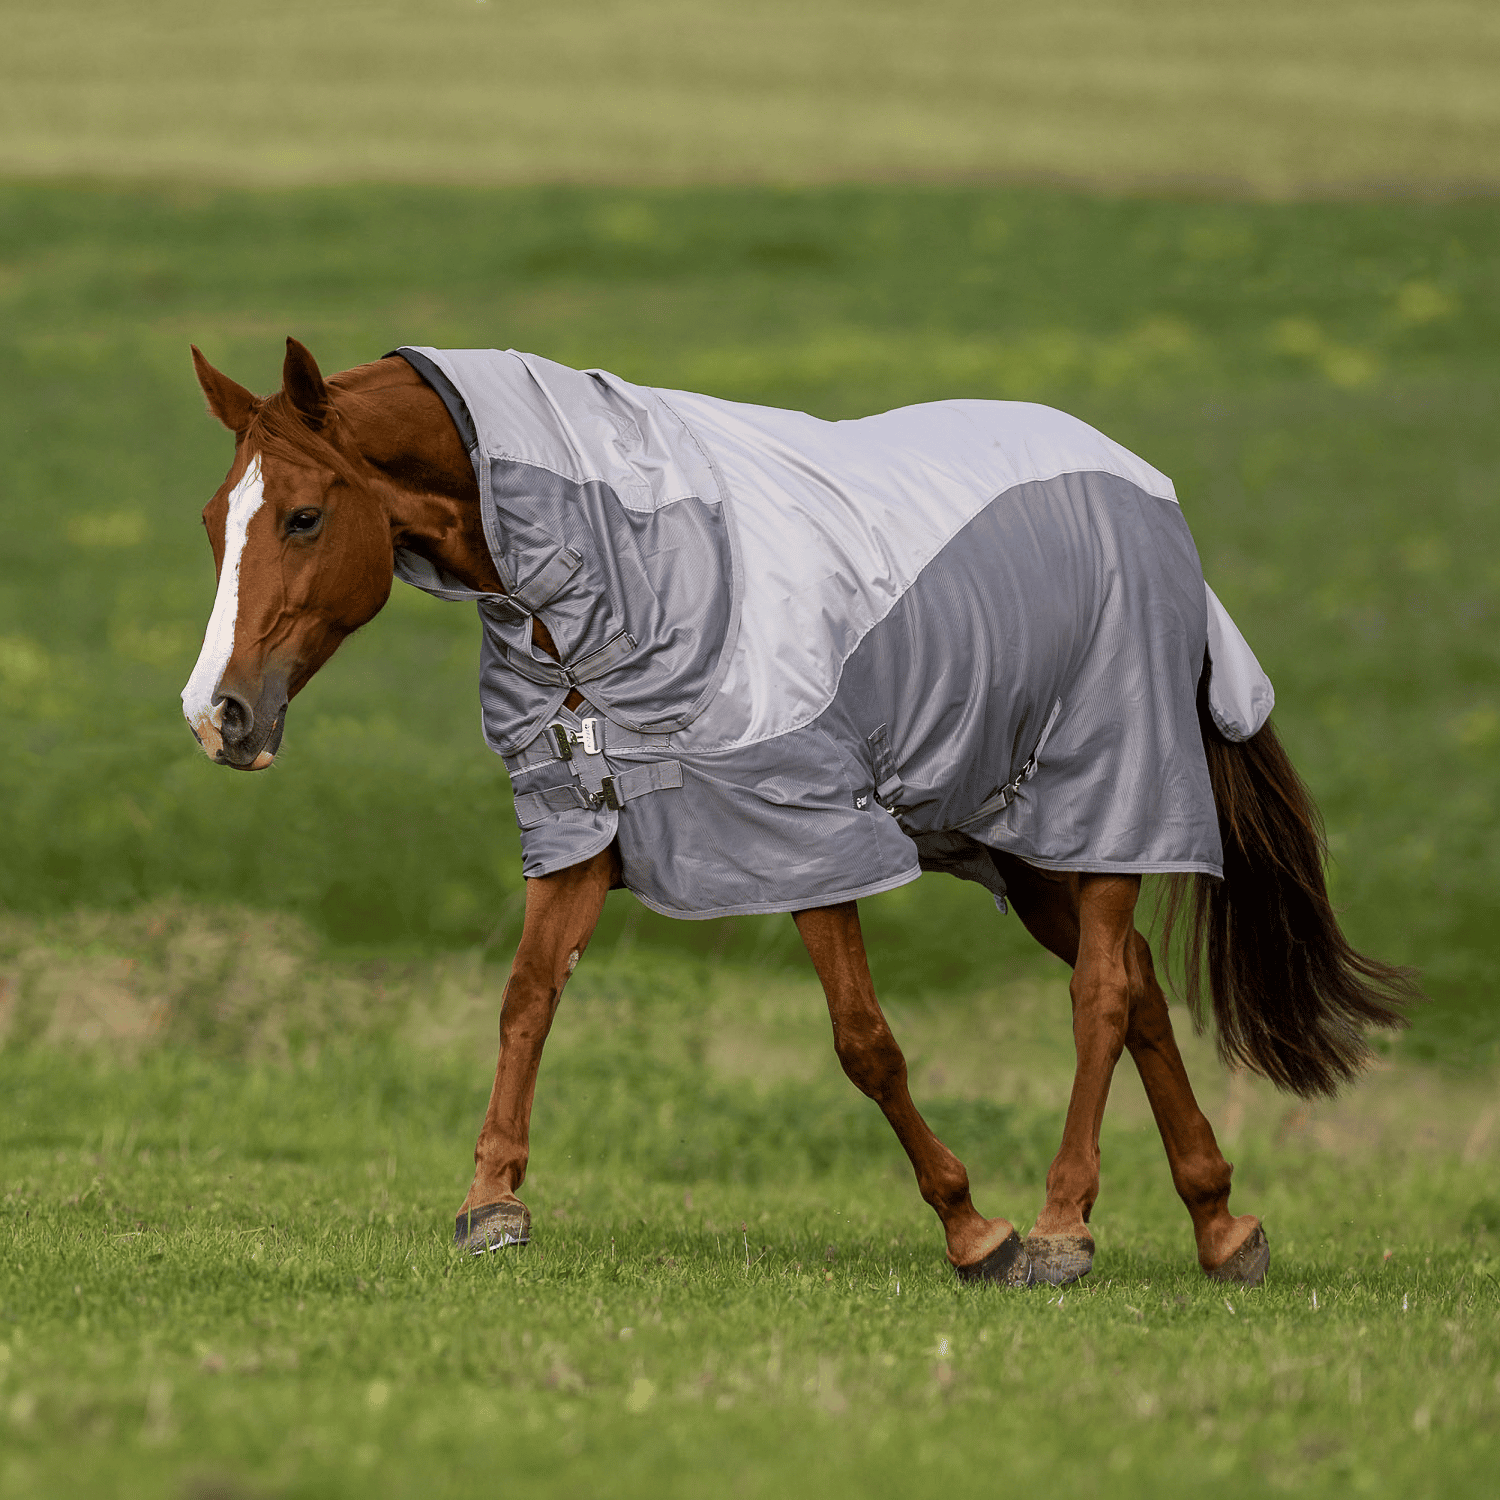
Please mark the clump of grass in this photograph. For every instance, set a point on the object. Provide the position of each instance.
(231, 983)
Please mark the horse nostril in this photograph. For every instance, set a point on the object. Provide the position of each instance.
(237, 718)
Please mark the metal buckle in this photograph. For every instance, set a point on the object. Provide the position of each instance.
(607, 788)
(589, 737)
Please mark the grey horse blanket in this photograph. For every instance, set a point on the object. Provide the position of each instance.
(818, 657)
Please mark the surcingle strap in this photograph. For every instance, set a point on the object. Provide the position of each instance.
(594, 783)
(536, 807)
(655, 776)
(614, 792)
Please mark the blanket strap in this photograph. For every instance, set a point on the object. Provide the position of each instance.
(654, 776)
(594, 784)
(575, 674)
(1007, 794)
(888, 786)
(523, 601)
(614, 792)
(548, 580)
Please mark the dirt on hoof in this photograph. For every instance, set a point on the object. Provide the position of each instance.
(1248, 1264)
(492, 1227)
(1006, 1265)
(1060, 1259)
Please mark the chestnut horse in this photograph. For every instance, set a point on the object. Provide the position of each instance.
(329, 478)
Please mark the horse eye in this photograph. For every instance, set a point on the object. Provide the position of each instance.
(303, 522)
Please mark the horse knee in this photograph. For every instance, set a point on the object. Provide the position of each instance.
(871, 1060)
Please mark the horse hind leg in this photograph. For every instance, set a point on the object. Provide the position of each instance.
(979, 1249)
(1230, 1248)
(1089, 920)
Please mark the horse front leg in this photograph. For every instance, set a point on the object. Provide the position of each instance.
(561, 913)
(979, 1249)
(1230, 1248)
(1060, 1245)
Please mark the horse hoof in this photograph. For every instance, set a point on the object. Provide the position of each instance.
(492, 1227)
(1248, 1264)
(1060, 1259)
(1006, 1265)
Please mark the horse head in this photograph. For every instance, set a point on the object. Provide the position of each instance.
(303, 549)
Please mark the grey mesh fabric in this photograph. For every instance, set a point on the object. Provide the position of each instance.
(820, 657)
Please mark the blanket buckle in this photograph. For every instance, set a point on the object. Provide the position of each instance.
(588, 735)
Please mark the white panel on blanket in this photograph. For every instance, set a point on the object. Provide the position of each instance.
(837, 519)
(1240, 695)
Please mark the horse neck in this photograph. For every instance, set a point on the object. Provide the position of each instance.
(399, 425)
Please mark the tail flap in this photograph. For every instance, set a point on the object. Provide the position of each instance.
(1240, 695)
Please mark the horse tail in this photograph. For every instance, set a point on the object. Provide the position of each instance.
(1291, 998)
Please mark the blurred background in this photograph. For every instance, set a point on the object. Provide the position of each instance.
(1256, 245)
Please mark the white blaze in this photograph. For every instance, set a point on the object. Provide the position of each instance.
(245, 499)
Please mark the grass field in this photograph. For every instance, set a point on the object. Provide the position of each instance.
(247, 1021)
(1320, 380)
(222, 1269)
(247, 1024)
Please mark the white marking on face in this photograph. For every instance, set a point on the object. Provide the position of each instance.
(198, 706)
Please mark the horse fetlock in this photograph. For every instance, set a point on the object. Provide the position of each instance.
(499, 1169)
(1073, 1185)
(1202, 1182)
(1068, 1220)
(947, 1193)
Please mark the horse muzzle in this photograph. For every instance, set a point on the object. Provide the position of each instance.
(249, 741)
(242, 733)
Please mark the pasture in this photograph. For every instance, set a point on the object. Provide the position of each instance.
(245, 1025)
(225, 1270)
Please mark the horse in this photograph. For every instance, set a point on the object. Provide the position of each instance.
(338, 486)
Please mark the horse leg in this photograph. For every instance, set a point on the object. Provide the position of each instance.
(978, 1248)
(1230, 1248)
(561, 913)
(1060, 1245)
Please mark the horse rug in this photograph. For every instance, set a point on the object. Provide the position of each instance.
(817, 658)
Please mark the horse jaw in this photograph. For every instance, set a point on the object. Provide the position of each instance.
(205, 717)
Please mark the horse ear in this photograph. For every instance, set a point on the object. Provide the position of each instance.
(232, 404)
(303, 382)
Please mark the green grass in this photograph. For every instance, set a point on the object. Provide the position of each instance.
(1279, 97)
(1320, 379)
(225, 1196)
(246, 1024)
